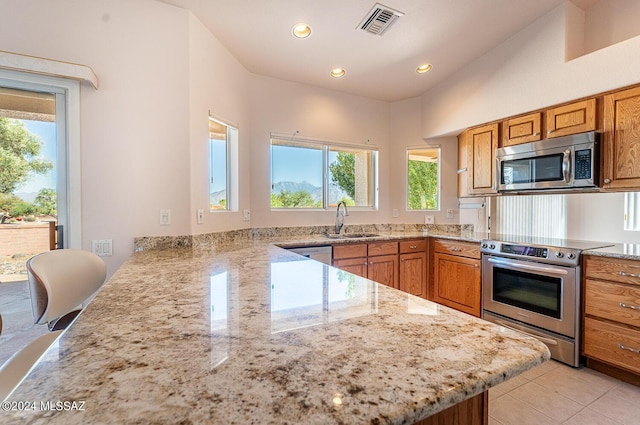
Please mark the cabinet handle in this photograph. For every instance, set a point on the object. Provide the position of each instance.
(549, 131)
(413, 246)
(632, 307)
(625, 274)
(607, 181)
(461, 170)
(624, 347)
(403, 260)
(536, 134)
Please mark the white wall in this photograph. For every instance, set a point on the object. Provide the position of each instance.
(284, 107)
(526, 72)
(405, 125)
(135, 128)
(217, 83)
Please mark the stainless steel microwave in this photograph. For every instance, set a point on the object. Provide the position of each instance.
(569, 162)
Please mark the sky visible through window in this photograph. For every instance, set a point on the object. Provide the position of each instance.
(47, 133)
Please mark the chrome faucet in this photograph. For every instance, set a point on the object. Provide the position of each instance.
(340, 215)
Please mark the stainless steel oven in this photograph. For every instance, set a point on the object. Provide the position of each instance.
(535, 288)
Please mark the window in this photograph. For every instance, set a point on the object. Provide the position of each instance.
(313, 175)
(540, 215)
(423, 179)
(223, 140)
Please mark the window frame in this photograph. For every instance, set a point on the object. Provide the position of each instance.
(326, 146)
(231, 161)
(438, 183)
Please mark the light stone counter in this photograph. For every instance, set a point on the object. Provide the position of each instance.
(256, 334)
(623, 251)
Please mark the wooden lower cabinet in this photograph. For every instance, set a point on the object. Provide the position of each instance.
(413, 267)
(399, 264)
(473, 411)
(357, 266)
(457, 275)
(377, 261)
(612, 316)
(384, 269)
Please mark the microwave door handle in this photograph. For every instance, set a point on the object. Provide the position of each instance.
(528, 267)
(566, 166)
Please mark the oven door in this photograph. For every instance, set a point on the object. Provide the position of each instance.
(538, 294)
(546, 169)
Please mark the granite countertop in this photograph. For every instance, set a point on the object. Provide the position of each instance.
(620, 250)
(255, 333)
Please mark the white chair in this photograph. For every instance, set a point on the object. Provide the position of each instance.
(20, 364)
(60, 281)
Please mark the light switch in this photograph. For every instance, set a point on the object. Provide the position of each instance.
(246, 214)
(200, 216)
(394, 213)
(165, 217)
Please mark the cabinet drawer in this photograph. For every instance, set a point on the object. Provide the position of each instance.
(383, 248)
(349, 251)
(617, 345)
(461, 249)
(413, 246)
(613, 301)
(614, 269)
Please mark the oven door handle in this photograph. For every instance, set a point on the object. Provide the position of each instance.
(513, 327)
(519, 266)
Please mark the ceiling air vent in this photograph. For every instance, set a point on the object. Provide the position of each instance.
(379, 19)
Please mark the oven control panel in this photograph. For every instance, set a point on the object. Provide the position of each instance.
(544, 254)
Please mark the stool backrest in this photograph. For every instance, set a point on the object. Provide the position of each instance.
(62, 280)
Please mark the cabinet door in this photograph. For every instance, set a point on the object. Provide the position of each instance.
(463, 166)
(353, 265)
(457, 282)
(574, 118)
(622, 140)
(384, 269)
(413, 273)
(521, 130)
(483, 142)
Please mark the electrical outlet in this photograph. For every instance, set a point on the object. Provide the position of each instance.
(449, 213)
(428, 219)
(165, 217)
(246, 214)
(200, 216)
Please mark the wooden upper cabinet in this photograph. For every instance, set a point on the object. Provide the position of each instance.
(621, 168)
(522, 130)
(463, 168)
(574, 118)
(481, 164)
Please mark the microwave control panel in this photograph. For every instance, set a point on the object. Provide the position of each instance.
(582, 164)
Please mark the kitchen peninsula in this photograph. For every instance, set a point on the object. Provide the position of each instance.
(251, 333)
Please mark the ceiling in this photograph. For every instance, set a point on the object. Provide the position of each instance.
(446, 33)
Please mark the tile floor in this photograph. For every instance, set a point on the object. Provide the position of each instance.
(555, 394)
(551, 394)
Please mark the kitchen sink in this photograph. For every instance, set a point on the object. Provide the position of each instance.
(351, 235)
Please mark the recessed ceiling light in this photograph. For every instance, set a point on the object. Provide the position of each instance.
(424, 68)
(301, 30)
(338, 72)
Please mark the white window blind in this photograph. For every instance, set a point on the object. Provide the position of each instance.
(632, 211)
(532, 215)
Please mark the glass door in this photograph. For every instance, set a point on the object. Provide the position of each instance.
(33, 178)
